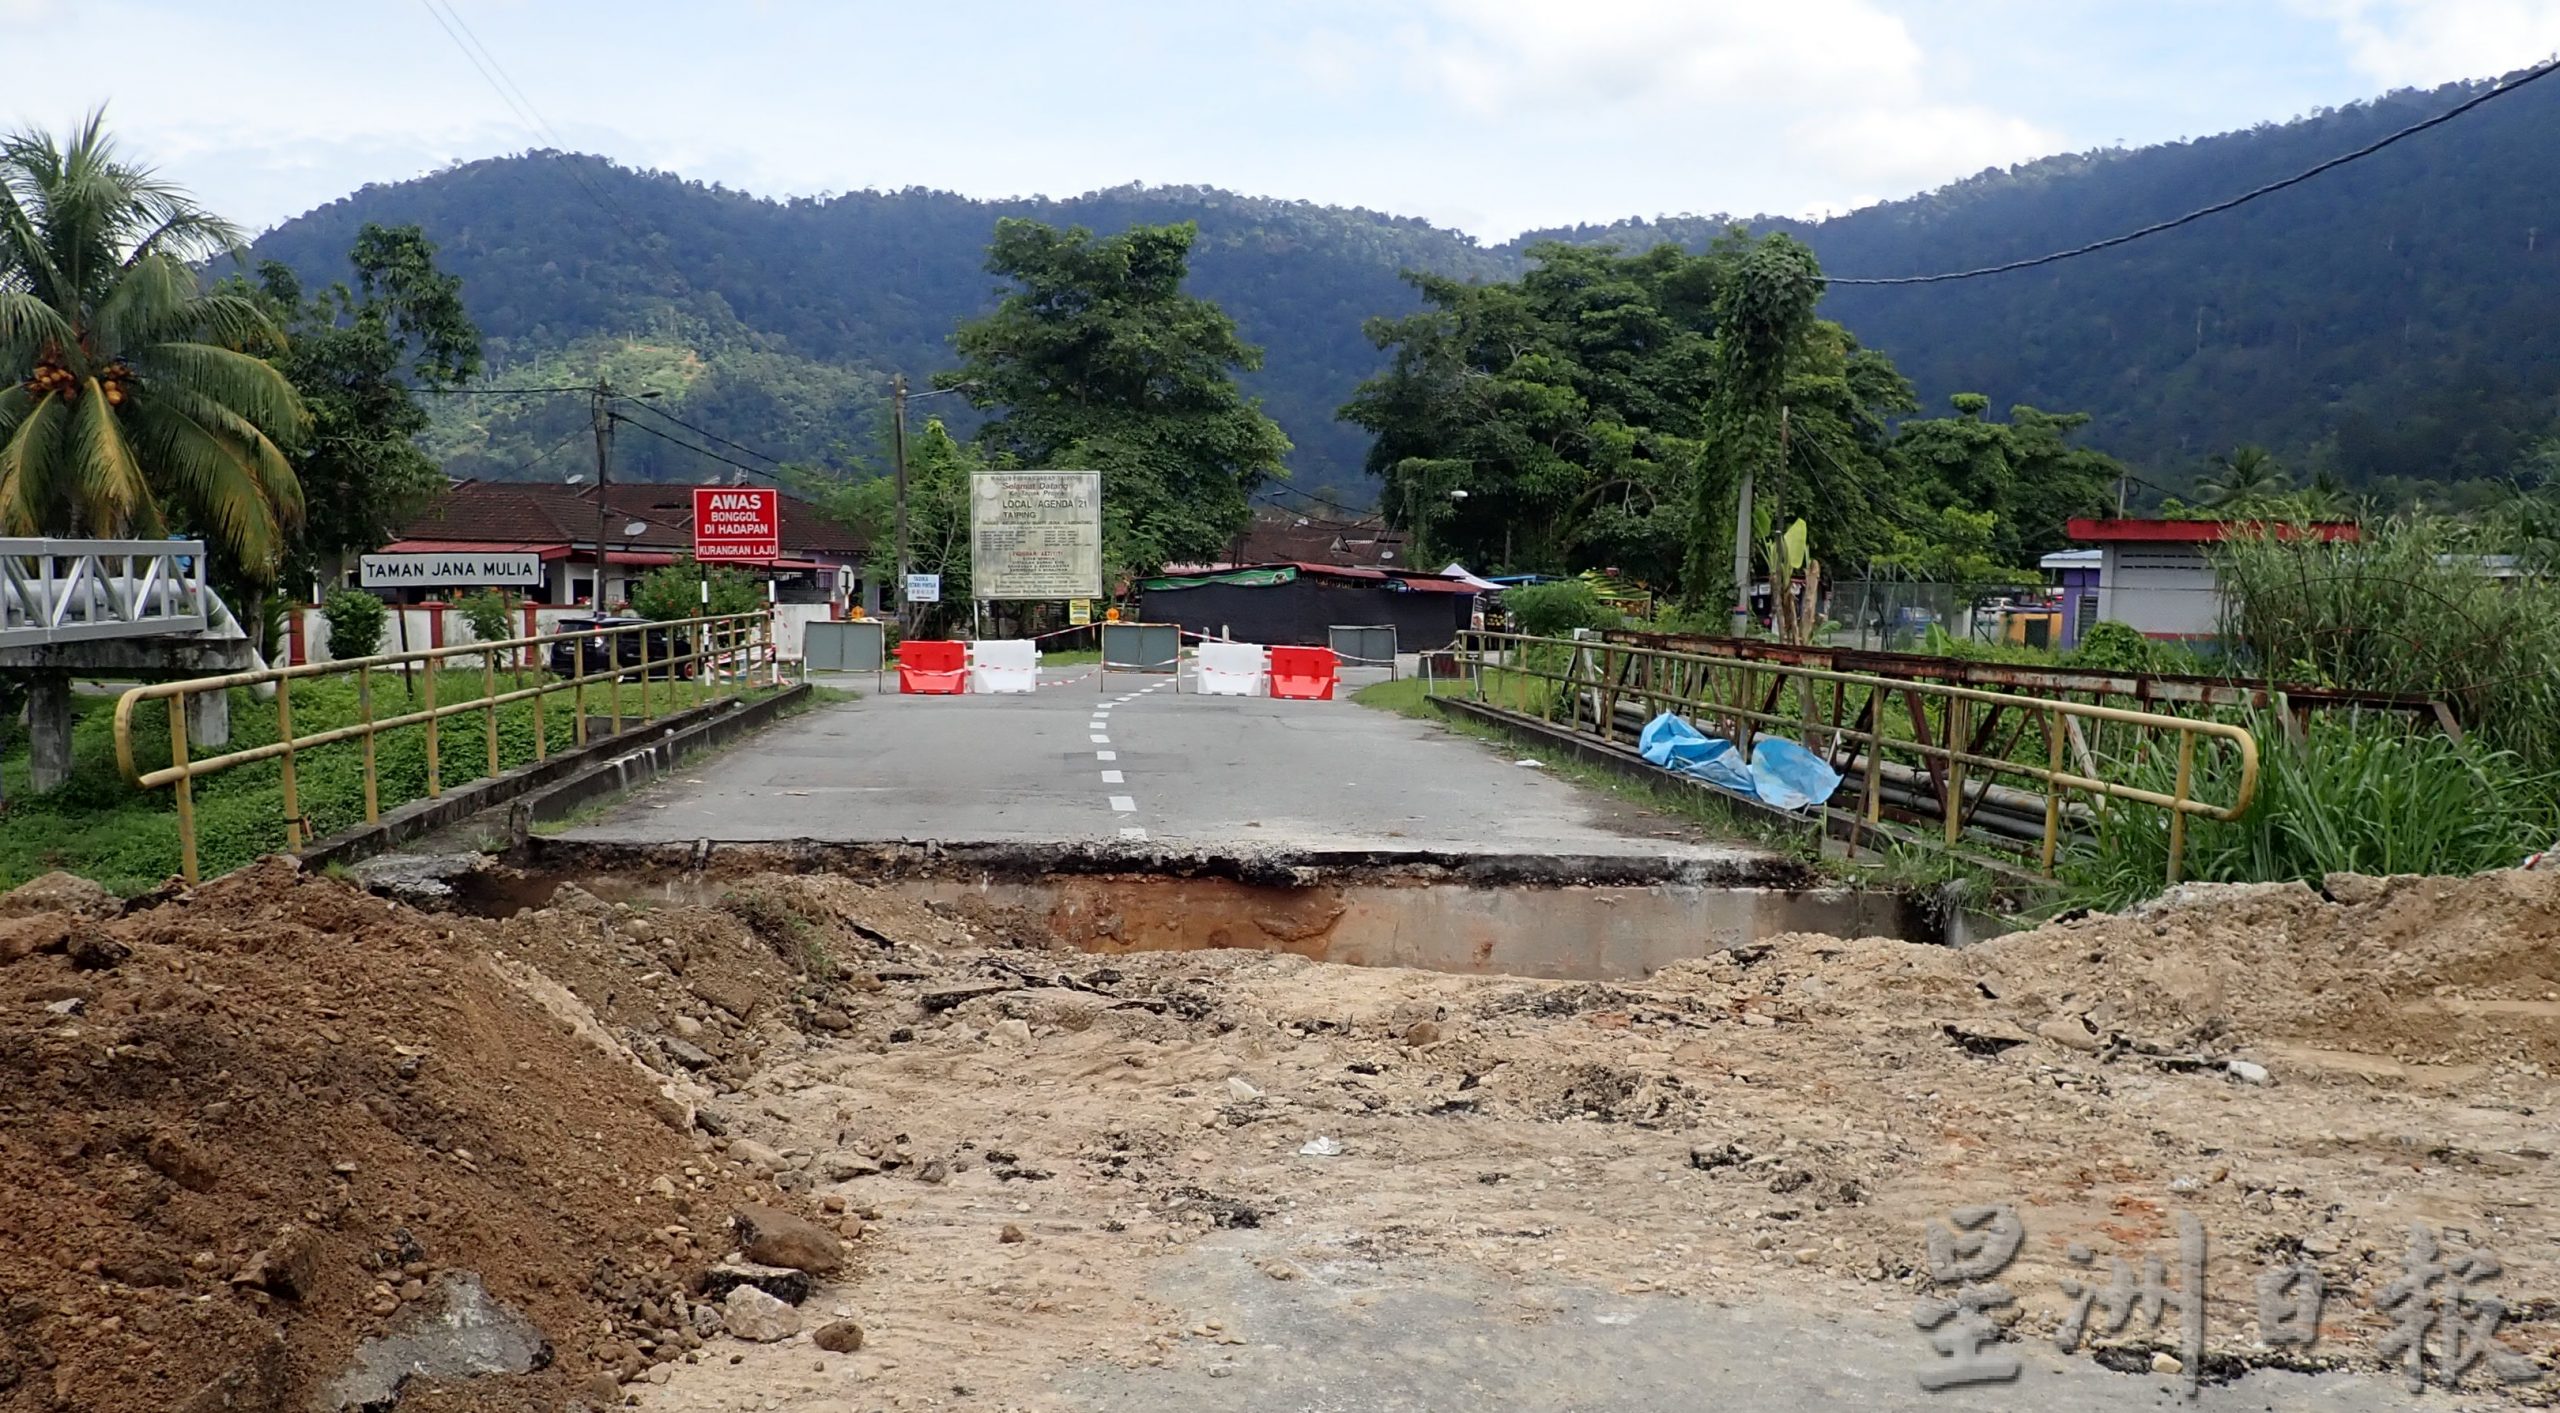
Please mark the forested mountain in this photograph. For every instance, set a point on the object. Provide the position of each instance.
(2392, 319)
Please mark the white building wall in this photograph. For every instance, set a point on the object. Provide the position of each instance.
(2160, 590)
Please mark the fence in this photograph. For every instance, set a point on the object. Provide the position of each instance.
(1952, 755)
(60, 591)
(696, 658)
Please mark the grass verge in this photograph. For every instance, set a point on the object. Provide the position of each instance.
(126, 839)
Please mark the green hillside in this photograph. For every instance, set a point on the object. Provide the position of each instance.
(2390, 320)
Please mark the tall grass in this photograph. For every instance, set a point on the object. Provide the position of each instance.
(2406, 609)
(2356, 793)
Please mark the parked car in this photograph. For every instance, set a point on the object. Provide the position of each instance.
(591, 651)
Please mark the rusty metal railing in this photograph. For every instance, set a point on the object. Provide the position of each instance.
(1952, 755)
(702, 659)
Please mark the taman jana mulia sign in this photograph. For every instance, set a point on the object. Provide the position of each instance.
(400, 571)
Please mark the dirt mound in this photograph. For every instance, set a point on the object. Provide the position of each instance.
(249, 1127)
(2428, 970)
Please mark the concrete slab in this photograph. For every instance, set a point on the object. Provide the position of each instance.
(1220, 772)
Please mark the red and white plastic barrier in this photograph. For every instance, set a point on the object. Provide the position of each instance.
(933, 667)
(1231, 669)
(1004, 665)
(1304, 674)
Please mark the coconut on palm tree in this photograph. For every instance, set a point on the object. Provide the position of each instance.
(134, 401)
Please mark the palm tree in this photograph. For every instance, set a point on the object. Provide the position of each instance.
(133, 399)
(2244, 478)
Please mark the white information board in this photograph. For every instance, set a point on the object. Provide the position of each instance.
(1035, 535)
(392, 571)
(923, 588)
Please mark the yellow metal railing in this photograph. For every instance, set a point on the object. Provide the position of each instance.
(700, 659)
(1953, 732)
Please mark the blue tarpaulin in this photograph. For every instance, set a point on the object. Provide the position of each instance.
(1674, 744)
(1789, 776)
(1781, 773)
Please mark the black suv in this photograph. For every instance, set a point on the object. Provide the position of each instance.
(593, 652)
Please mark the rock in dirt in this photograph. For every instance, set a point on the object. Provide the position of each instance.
(92, 952)
(751, 1314)
(774, 1238)
(59, 893)
(1010, 1235)
(421, 880)
(781, 1282)
(757, 1155)
(171, 1156)
(691, 1056)
(2246, 1072)
(736, 997)
(464, 1335)
(1015, 1032)
(286, 1267)
(840, 1337)
(2070, 1035)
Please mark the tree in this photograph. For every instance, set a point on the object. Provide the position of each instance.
(2244, 481)
(353, 356)
(135, 400)
(938, 469)
(1764, 314)
(133, 403)
(1098, 361)
(2024, 472)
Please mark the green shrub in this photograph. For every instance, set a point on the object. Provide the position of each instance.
(2110, 646)
(355, 623)
(1555, 610)
(491, 615)
(675, 592)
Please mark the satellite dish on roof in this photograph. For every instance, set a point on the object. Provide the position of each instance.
(574, 478)
(636, 527)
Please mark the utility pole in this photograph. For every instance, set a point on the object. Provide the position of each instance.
(1742, 539)
(602, 411)
(898, 462)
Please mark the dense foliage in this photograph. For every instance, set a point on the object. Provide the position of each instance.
(1601, 410)
(1096, 360)
(352, 355)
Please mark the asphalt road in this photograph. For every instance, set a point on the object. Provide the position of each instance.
(1139, 764)
(1397, 1337)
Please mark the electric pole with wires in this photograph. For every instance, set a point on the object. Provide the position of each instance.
(602, 412)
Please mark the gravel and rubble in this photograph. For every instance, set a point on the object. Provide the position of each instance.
(810, 1143)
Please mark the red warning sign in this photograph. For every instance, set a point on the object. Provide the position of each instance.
(735, 523)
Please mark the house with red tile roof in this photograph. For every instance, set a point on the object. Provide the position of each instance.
(638, 527)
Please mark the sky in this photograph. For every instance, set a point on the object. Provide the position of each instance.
(1491, 116)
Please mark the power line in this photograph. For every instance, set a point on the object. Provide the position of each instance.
(1310, 495)
(491, 392)
(2540, 71)
(518, 473)
(522, 105)
(711, 436)
(699, 451)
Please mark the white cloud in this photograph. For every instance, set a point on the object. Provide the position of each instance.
(2402, 43)
(1912, 146)
(1500, 55)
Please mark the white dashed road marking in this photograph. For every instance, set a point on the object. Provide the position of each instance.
(1112, 777)
(1106, 755)
(1133, 833)
(1123, 804)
